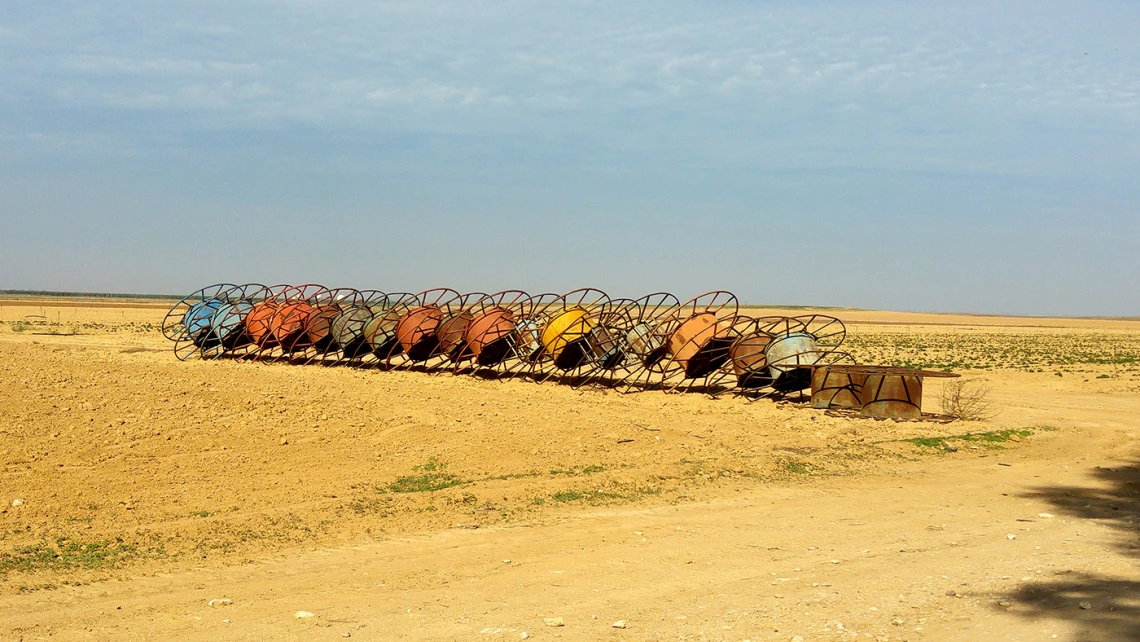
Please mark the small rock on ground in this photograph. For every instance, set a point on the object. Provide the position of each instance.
(554, 621)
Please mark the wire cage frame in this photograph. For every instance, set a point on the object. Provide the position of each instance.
(524, 342)
(319, 344)
(380, 331)
(489, 336)
(565, 352)
(227, 324)
(451, 333)
(581, 337)
(349, 344)
(286, 338)
(797, 344)
(688, 347)
(418, 325)
(187, 323)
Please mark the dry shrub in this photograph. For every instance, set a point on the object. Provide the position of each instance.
(967, 399)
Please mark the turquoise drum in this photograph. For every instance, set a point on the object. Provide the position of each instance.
(197, 318)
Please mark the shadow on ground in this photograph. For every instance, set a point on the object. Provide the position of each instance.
(1102, 606)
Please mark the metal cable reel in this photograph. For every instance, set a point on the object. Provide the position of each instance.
(525, 342)
(319, 343)
(605, 343)
(488, 338)
(257, 319)
(579, 337)
(640, 348)
(416, 331)
(452, 331)
(749, 355)
(179, 320)
(348, 344)
(227, 324)
(797, 344)
(187, 323)
(568, 323)
(296, 305)
(689, 346)
(380, 331)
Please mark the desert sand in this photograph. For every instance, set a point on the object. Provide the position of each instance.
(144, 498)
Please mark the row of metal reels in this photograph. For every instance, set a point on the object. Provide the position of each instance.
(580, 337)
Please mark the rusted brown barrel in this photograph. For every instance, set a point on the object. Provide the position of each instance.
(451, 332)
(700, 344)
(749, 360)
(318, 329)
(416, 331)
(288, 325)
(836, 387)
(488, 335)
(257, 322)
(892, 395)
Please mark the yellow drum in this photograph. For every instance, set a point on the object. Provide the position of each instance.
(564, 329)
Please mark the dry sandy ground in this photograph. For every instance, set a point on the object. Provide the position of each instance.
(164, 485)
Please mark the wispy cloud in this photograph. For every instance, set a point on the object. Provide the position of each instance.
(757, 113)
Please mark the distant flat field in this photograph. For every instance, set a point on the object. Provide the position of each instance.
(412, 505)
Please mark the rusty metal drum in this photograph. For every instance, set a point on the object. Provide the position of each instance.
(319, 327)
(257, 321)
(416, 331)
(836, 387)
(288, 325)
(700, 344)
(750, 360)
(488, 335)
(452, 330)
(892, 395)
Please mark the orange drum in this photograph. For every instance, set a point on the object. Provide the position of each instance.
(836, 388)
(319, 328)
(288, 325)
(290, 319)
(488, 332)
(416, 331)
(258, 319)
(692, 338)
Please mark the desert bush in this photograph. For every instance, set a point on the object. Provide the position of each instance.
(967, 399)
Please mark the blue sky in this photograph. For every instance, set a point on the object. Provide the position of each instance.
(951, 157)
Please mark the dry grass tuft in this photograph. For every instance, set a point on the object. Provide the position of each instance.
(967, 399)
